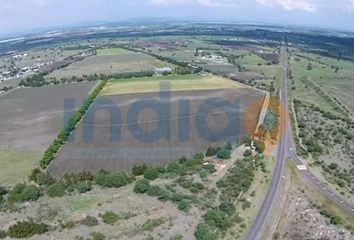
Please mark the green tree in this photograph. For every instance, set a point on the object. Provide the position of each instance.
(224, 154)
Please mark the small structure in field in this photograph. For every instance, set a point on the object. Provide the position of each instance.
(163, 70)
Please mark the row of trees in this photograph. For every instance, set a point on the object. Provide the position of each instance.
(70, 126)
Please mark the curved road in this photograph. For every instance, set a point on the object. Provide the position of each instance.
(286, 149)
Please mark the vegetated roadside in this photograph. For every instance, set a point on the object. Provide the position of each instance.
(324, 127)
(304, 204)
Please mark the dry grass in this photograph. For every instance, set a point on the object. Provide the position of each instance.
(178, 83)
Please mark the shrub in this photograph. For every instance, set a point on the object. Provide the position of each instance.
(217, 218)
(247, 153)
(173, 167)
(151, 224)
(23, 193)
(27, 229)
(44, 179)
(3, 191)
(224, 154)
(97, 236)
(151, 173)
(110, 217)
(154, 191)
(260, 146)
(333, 166)
(116, 179)
(141, 186)
(182, 160)
(34, 174)
(3, 234)
(204, 232)
(246, 205)
(138, 170)
(90, 221)
(198, 156)
(183, 205)
(56, 190)
(212, 151)
(227, 207)
(83, 186)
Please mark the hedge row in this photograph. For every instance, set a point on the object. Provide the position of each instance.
(70, 126)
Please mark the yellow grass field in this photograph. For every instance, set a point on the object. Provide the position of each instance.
(16, 165)
(178, 83)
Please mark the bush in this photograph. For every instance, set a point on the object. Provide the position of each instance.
(97, 236)
(34, 174)
(246, 205)
(183, 205)
(212, 151)
(27, 229)
(151, 173)
(3, 191)
(90, 221)
(216, 218)
(224, 154)
(247, 153)
(83, 187)
(141, 186)
(260, 146)
(227, 207)
(110, 217)
(138, 170)
(56, 190)
(112, 180)
(333, 166)
(3, 234)
(23, 193)
(44, 179)
(204, 232)
(198, 156)
(173, 167)
(154, 191)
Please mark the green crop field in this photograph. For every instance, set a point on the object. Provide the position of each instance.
(111, 51)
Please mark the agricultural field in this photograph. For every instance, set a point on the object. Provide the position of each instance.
(110, 61)
(81, 153)
(322, 81)
(234, 59)
(30, 120)
(177, 83)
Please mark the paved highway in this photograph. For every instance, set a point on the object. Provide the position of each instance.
(286, 149)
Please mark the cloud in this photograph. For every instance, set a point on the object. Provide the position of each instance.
(207, 3)
(351, 6)
(290, 5)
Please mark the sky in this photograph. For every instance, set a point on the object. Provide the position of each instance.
(23, 15)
